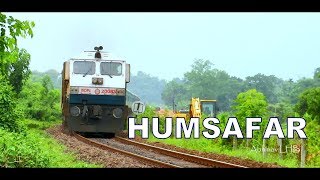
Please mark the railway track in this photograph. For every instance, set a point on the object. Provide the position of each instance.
(169, 159)
(188, 157)
(136, 156)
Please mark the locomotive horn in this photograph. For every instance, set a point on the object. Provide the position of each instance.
(97, 54)
(98, 48)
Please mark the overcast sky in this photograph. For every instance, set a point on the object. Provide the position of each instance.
(165, 45)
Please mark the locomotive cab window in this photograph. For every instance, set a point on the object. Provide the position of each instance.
(84, 67)
(111, 68)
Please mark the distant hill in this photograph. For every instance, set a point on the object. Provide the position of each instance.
(148, 88)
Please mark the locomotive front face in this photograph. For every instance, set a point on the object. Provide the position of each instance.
(97, 97)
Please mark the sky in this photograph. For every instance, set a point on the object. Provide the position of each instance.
(165, 45)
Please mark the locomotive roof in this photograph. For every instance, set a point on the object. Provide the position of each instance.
(89, 55)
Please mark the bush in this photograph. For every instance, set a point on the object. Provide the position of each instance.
(8, 111)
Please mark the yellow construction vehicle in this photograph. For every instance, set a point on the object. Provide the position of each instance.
(197, 108)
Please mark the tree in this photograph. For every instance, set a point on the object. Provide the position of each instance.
(309, 102)
(301, 85)
(316, 74)
(227, 90)
(200, 78)
(55, 78)
(47, 84)
(49, 95)
(147, 87)
(11, 29)
(250, 104)
(206, 82)
(174, 92)
(19, 71)
(287, 93)
(265, 84)
(282, 110)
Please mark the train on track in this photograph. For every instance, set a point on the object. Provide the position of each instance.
(94, 92)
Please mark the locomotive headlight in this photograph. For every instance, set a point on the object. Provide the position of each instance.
(97, 80)
(117, 112)
(74, 111)
(100, 80)
(94, 80)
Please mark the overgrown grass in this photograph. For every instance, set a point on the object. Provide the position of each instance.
(39, 125)
(59, 157)
(35, 148)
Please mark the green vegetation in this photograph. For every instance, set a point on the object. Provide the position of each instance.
(7, 106)
(10, 55)
(30, 103)
(256, 96)
(250, 104)
(253, 151)
(313, 142)
(39, 100)
(35, 148)
(309, 102)
(27, 107)
(12, 66)
(23, 142)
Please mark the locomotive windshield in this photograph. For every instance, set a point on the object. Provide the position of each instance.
(84, 67)
(111, 68)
